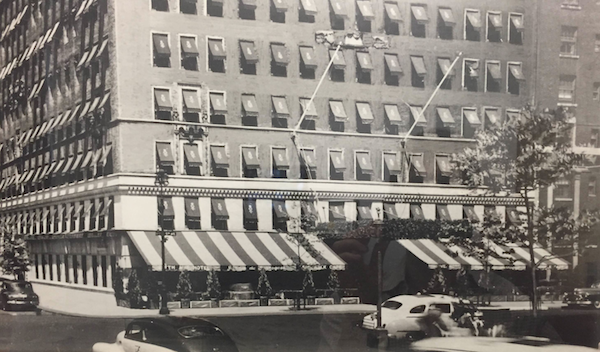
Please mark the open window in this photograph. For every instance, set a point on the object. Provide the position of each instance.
(307, 11)
(416, 213)
(189, 53)
(277, 10)
(364, 15)
(337, 14)
(188, 7)
(308, 164)
(337, 115)
(281, 112)
(246, 9)
(192, 213)
(166, 214)
(192, 160)
(163, 108)
(220, 161)
(161, 50)
(515, 32)
(494, 26)
(336, 212)
(417, 172)
(164, 157)
(417, 114)
(279, 60)
(281, 162)
(492, 118)
(419, 20)
(470, 122)
(214, 8)
(442, 213)
(310, 114)
(493, 76)
(393, 70)
(515, 77)
(338, 67)
(364, 167)
(472, 25)
(364, 67)
(337, 165)
(216, 55)
(248, 57)
(308, 62)
(392, 18)
(445, 122)
(418, 71)
(280, 215)
(446, 23)
(218, 108)
(219, 214)
(250, 162)
(364, 117)
(191, 105)
(249, 110)
(393, 119)
(392, 170)
(250, 215)
(363, 211)
(443, 70)
(160, 5)
(471, 75)
(443, 169)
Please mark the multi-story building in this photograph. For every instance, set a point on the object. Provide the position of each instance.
(99, 95)
(568, 75)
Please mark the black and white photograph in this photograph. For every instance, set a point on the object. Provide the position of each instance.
(299, 175)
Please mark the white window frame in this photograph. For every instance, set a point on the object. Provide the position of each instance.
(242, 157)
(487, 24)
(186, 35)
(485, 80)
(509, 24)
(462, 118)
(300, 157)
(180, 103)
(410, 157)
(207, 49)
(153, 100)
(573, 40)
(464, 66)
(508, 65)
(383, 154)
(152, 33)
(227, 154)
(357, 165)
(209, 102)
(173, 150)
(573, 91)
(272, 164)
(181, 163)
(484, 116)
(329, 150)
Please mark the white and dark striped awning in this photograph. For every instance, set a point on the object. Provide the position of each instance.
(504, 257)
(234, 251)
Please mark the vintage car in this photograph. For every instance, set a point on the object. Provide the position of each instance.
(169, 334)
(584, 297)
(401, 315)
(17, 294)
(487, 344)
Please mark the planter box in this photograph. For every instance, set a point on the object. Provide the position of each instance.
(350, 300)
(174, 305)
(229, 303)
(249, 302)
(324, 301)
(522, 298)
(201, 304)
(278, 302)
(185, 303)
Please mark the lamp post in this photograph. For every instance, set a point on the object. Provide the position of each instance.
(162, 180)
(382, 335)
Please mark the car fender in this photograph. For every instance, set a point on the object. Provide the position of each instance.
(117, 346)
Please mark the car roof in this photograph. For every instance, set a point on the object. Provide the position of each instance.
(175, 322)
(423, 299)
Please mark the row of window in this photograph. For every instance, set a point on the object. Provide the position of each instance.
(365, 16)
(443, 118)
(279, 59)
(93, 270)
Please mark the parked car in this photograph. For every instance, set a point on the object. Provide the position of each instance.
(402, 315)
(488, 344)
(169, 334)
(17, 294)
(584, 297)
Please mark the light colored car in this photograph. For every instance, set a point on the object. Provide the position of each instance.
(493, 344)
(169, 334)
(400, 315)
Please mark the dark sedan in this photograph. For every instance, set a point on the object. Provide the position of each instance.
(17, 294)
(169, 334)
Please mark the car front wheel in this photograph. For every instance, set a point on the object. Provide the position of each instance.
(596, 304)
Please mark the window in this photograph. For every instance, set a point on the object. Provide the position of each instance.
(363, 211)
(279, 60)
(596, 91)
(492, 118)
(392, 170)
(470, 75)
(338, 67)
(337, 115)
(364, 117)
(416, 114)
(515, 31)
(364, 15)
(163, 108)
(216, 55)
(308, 164)
(417, 170)
(192, 159)
(214, 8)
(278, 9)
(494, 26)
(472, 25)
(393, 70)
(250, 215)
(443, 170)
(592, 187)
(281, 162)
(192, 213)
(189, 53)
(160, 5)
(493, 76)
(568, 40)
(250, 162)
(515, 76)
(562, 189)
(161, 50)
(164, 157)
(249, 110)
(392, 119)
(219, 214)
(416, 212)
(309, 110)
(392, 18)
(337, 14)
(246, 9)
(307, 11)
(218, 108)
(308, 62)
(364, 167)
(446, 23)
(594, 137)
(364, 67)
(191, 105)
(220, 160)
(470, 122)
(417, 309)
(418, 21)
(418, 71)
(597, 44)
(336, 212)
(166, 214)
(336, 165)
(443, 70)
(566, 89)
(445, 122)
(280, 215)
(189, 7)
(248, 57)
(280, 112)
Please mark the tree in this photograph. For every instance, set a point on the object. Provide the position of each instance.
(308, 284)
(526, 153)
(333, 282)
(134, 290)
(437, 284)
(213, 287)
(15, 257)
(118, 284)
(184, 286)
(263, 288)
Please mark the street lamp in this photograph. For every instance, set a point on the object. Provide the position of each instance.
(162, 180)
(382, 335)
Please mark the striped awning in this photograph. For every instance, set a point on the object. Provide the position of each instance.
(234, 251)
(503, 257)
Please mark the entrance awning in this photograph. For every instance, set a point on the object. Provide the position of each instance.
(236, 251)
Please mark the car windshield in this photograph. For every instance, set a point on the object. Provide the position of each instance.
(18, 286)
(392, 304)
(198, 331)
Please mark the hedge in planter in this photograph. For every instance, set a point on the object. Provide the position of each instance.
(263, 289)
(333, 284)
(213, 287)
(184, 289)
(134, 291)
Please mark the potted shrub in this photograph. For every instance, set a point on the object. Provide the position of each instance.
(213, 287)
(134, 291)
(333, 284)
(264, 290)
(308, 288)
(120, 295)
(184, 289)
